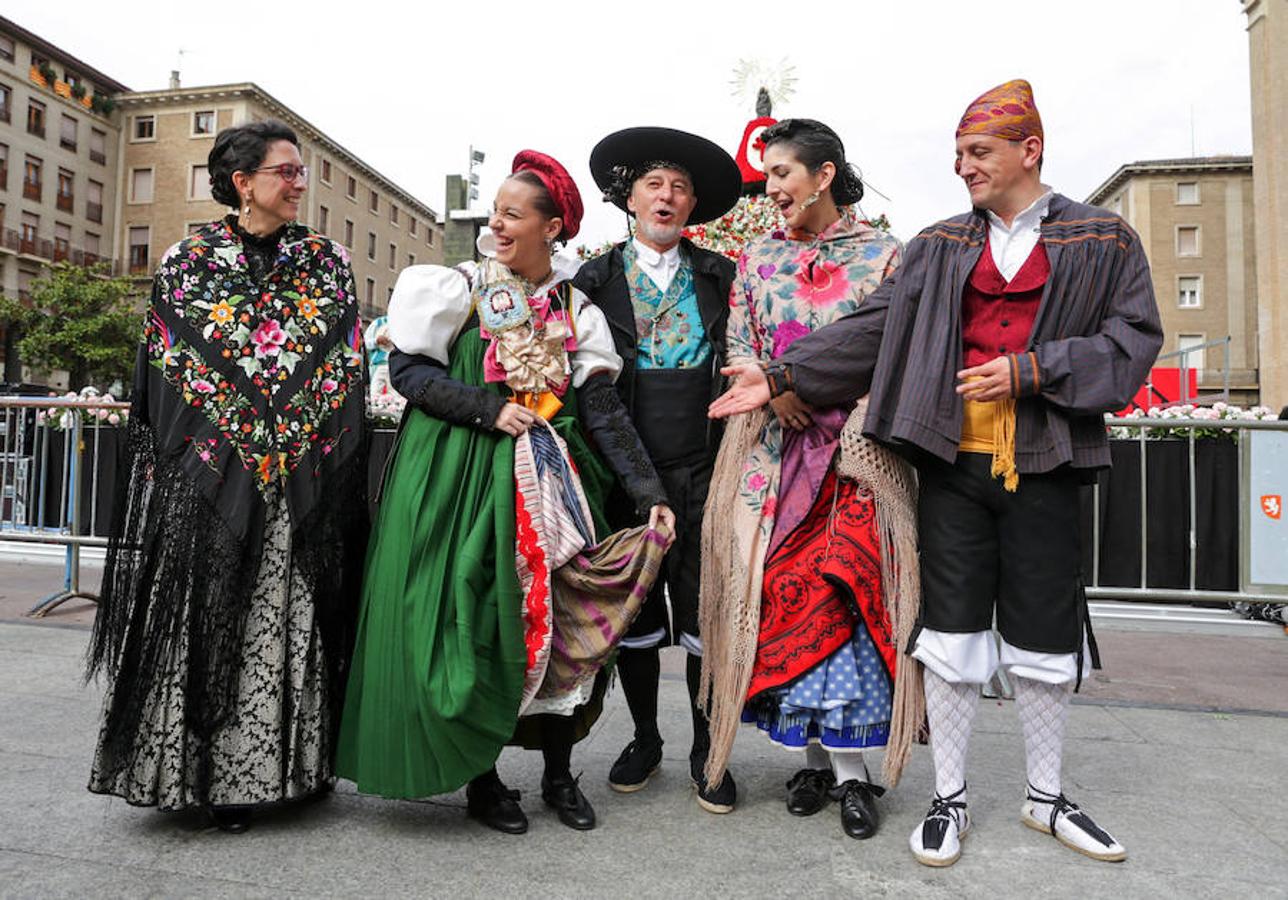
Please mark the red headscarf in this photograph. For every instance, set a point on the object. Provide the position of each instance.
(1006, 111)
(559, 184)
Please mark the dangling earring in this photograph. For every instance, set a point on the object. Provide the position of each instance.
(810, 201)
(245, 213)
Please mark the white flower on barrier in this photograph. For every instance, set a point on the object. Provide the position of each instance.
(1217, 412)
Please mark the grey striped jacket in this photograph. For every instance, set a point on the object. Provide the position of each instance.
(1096, 335)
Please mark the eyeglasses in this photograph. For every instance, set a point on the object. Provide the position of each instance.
(288, 171)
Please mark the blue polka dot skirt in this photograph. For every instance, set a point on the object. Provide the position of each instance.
(843, 703)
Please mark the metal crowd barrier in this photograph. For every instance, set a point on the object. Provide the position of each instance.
(1248, 592)
(43, 452)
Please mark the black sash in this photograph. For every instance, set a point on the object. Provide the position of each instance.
(670, 413)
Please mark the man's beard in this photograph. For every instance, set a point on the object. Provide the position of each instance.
(659, 234)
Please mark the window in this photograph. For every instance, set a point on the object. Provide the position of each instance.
(65, 200)
(411, 259)
(67, 133)
(6, 48)
(324, 219)
(199, 183)
(92, 244)
(1187, 240)
(393, 256)
(325, 174)
(6, 102)
(36, 118)
(371, 292)
(203, 122)
(97, 146)
(429, 236)
(31, 178)
(1194, 359)
(1187, 193)
(1190, 291)
(30, 225)
(94, 201)
(4, 167)
(348, 233)
(62, 241)
(140, 185)
(371, 245)
(393, 214)
(411, 225)
(351, 188)
(138, 249)
(374, 204)
(145, 128)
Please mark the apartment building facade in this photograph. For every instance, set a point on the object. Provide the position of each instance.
(59, 159)
(1196, 220)
(92, 171)
(165, 186)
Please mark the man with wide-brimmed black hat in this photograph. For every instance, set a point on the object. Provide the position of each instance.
(666, 301)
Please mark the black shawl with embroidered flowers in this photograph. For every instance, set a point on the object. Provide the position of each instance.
(250, 383)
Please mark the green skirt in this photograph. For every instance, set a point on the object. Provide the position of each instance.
(437, 675)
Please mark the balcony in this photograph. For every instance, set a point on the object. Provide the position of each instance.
(94, 212)
(36, 128)
(98, 156)
(31, 190)
(56, 250)
(67, 144)
(65, 202)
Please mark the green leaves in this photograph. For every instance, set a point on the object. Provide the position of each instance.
(79, 320)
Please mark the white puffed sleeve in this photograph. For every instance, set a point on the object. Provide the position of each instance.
(430, 306)
(595, 351)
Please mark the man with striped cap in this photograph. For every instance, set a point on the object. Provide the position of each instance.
(991, 356)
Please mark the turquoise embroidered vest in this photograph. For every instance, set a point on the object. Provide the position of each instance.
(668, 326)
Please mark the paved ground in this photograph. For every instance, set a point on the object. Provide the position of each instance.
(1193, 793)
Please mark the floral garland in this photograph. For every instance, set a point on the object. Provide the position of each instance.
(64, 418)
(1217, 412)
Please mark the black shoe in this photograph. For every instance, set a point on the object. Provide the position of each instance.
(636, 765)
(565, 797)
(489, 801)
(807, 791)
(721, 798)
(231, 819)
(859, 816)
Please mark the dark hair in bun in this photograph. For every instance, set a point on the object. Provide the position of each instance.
(814, 144)
(242, 148)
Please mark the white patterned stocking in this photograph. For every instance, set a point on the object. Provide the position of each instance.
(1044, 709)
(950, 706)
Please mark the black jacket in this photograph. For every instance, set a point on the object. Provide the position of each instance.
(603, 280)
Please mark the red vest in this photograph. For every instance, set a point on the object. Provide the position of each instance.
(997, 317)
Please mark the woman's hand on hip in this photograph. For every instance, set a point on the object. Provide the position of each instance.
(792, 411)
(514, 419)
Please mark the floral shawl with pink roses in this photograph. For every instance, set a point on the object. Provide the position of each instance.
(248, 391)
(257, 385)
(784, 288)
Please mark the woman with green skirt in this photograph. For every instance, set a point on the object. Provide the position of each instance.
(489, 606)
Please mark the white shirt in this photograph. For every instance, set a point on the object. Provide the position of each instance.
(1012, 246)
(659, 267)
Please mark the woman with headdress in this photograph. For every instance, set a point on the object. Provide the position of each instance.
(231, 583)
(798, 581)
(491, 603)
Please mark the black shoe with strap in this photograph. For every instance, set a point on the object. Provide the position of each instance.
(807, 791)
(636, 764)
(489, 801)
(859, 816)
(564, 796)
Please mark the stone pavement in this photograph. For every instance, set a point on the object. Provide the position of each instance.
(1193, 794)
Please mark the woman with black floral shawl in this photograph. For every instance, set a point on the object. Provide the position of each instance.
(230, 589)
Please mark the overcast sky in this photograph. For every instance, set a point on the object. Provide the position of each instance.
(409, 87)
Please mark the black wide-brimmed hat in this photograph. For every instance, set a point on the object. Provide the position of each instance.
(716, 179)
